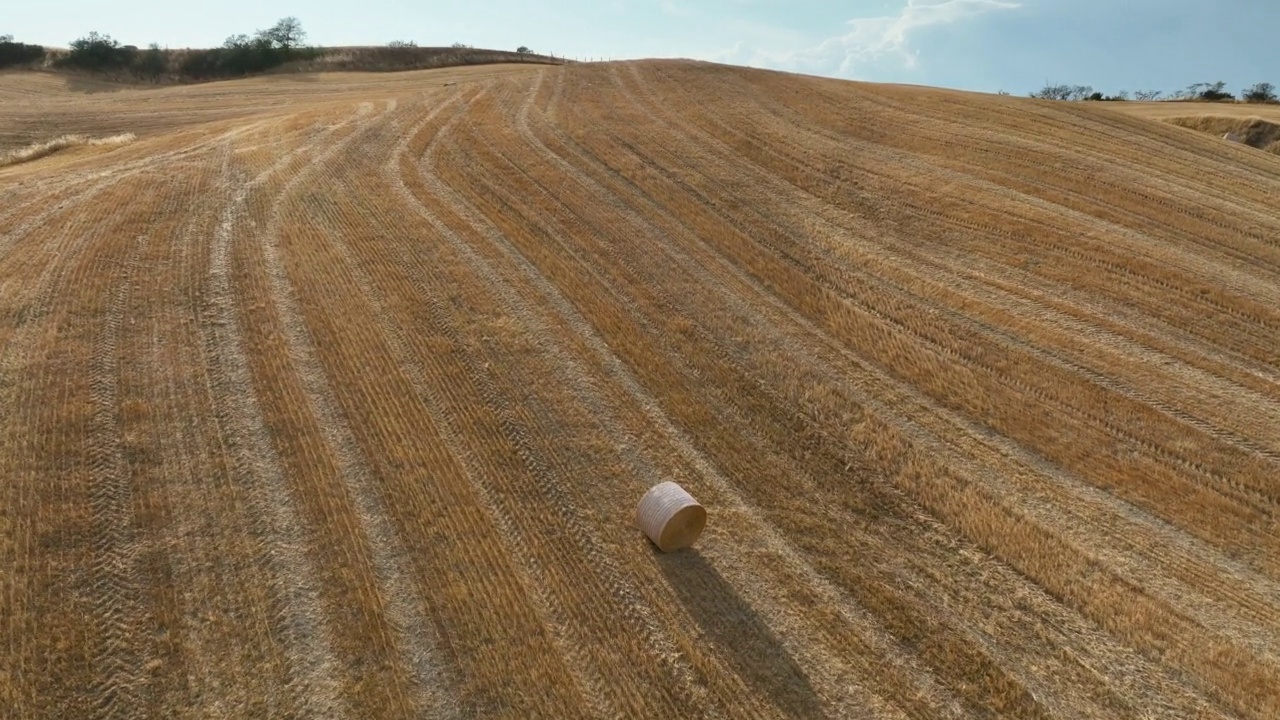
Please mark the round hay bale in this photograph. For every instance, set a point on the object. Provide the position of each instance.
(670, 517)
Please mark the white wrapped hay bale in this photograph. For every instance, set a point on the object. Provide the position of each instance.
(670, 517)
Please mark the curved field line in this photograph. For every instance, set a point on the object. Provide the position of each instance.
(41, 320)
(502, 514)
(973, 200)
(958, 202)
(1028, 460)
(496, 190)
(301, 621)
(780, 324)
(949, 132)
(861, 698)
(1038, 393)
(97, 182)
(215, 561)
(761, 196)
(314, 413)
(756, 526)
(387, 552)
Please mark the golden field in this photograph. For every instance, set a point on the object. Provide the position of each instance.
(332, 395)
(1170, 108)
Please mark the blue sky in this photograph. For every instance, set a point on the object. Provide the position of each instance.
(986, 45)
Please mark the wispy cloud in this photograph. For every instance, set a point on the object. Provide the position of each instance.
(868, 42)
(674, 9)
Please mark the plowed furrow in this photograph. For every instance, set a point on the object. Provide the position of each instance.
(51, 464)
(616, 370)
(713, 201)
(888, 268)
(466, 567)
(44, 198)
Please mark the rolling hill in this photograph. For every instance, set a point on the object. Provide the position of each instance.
(332, 395)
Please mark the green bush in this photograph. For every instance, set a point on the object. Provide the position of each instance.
(16, 53)
(1207, 92)
(239, 55)
(1064, 92)
(97, 52)
(285, 35)
(1263, 92)
(152, 64)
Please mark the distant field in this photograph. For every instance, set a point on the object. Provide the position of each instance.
(332, 395)
(1260, 124)
(1185, 109)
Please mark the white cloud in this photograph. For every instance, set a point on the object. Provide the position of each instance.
(868, 42)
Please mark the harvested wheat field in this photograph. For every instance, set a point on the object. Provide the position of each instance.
(1172, 108)
(1255, 125)
(332, 396)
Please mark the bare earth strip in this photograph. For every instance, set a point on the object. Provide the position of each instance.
(332, 396)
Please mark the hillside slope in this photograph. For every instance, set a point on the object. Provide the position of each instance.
(333, 397)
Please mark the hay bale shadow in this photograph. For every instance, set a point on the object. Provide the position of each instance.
(739, 635)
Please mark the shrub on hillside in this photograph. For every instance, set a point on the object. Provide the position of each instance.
(239, 55)
(285, 35)
(382, 58)
(1064, 92)
(151, 64)
(1207, 92)
(243, 55)
(16, 53)
(1263, 92)
(98, 52)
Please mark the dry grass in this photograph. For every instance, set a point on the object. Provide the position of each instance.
(335, 397)
(39, 150)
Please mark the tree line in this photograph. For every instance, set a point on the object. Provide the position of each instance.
(239, 55)
(1261, 93)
